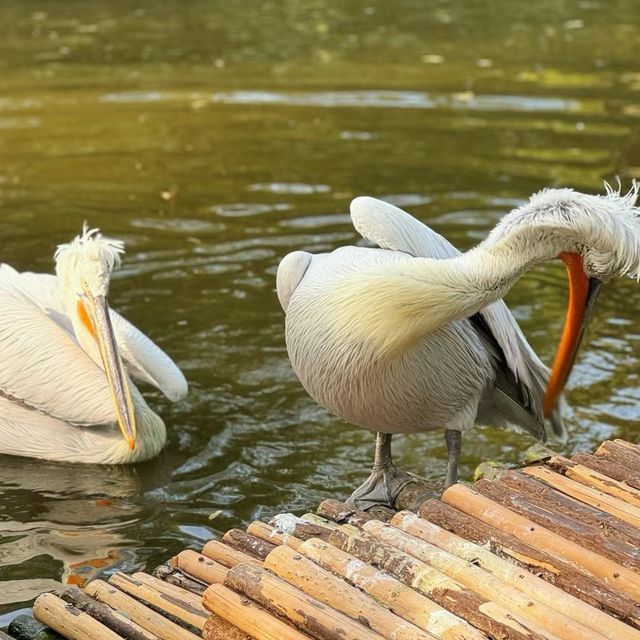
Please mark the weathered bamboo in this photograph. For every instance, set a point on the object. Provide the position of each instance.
(530, 611)
(200, 567)
(106, 615)
(247, 615)
(342, 513)
(138, 612)
(4, 636)
(603, 483)
(320, 521)
(247, 543)
(550, 568)
(25, 627)
(227, 556)
(490, 617)
(393, 594)
(287, 523)
(580, 613)
(598, 499)
(622, 449)
(69, 621)
(302, 573)
(268, 533)
(583, 514)
(541, 512)
(184, 606)
(492, 513)
(307, 613)
(610, 468)
(217, 628)
(177, 577)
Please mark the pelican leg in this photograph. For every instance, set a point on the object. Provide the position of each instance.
(453, 438)
(385, 482)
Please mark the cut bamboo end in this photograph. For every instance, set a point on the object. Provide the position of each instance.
(268, 533)
(69, 621)
(247, 543)
(200, 567)
(248, 616)
(227, 556)
(138, 612)
(506, 520)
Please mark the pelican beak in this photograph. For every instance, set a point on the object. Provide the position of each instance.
(116, 375)
(583, 292)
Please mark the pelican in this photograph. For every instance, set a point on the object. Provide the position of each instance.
(413, 335)
(66, 361)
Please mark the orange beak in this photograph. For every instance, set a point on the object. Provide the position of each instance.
(582, 295)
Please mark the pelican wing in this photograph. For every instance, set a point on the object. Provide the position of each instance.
(525, 376)
(145, 360)
(43, 368)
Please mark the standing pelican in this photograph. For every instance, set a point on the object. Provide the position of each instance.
(65, 360)
(413, 336)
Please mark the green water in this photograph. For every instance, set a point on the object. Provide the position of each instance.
(214, 137)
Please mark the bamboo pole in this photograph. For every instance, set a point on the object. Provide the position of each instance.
(267, 533)
(200, 567)
(541, 511)
(610, 468)
(302, 573)
(492, 513)
(106, 615)
(185, 607)
(601, 522)
(307, 613)
(69, 621)
(550, 568)
(531, 612)
(177, 577)
(596, 498)
(247, 543)
(581, 614)
(287, 523)
(342, 513)
(393, 594)
(619, 452)
(607, 485)
(248, 616)
(490, 617)
(226, 555)
(138, 612)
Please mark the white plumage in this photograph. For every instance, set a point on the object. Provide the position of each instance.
(413, 336)
(56, 401)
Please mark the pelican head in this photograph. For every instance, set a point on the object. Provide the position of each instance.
(597, 237)
(84, 268)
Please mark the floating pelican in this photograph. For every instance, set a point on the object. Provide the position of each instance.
(413, 336)
(65, 360)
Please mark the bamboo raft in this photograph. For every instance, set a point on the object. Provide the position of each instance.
(549, 551)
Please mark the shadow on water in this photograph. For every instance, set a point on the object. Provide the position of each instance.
(214, 137)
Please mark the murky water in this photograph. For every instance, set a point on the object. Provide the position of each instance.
(214, 137)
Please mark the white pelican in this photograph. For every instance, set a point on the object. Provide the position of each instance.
(414, 336)
(65, 360)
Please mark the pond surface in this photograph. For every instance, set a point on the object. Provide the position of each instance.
(214, 137)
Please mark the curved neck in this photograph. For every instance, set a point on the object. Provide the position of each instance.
(395, 305)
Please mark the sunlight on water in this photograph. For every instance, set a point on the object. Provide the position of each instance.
(214, 138)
